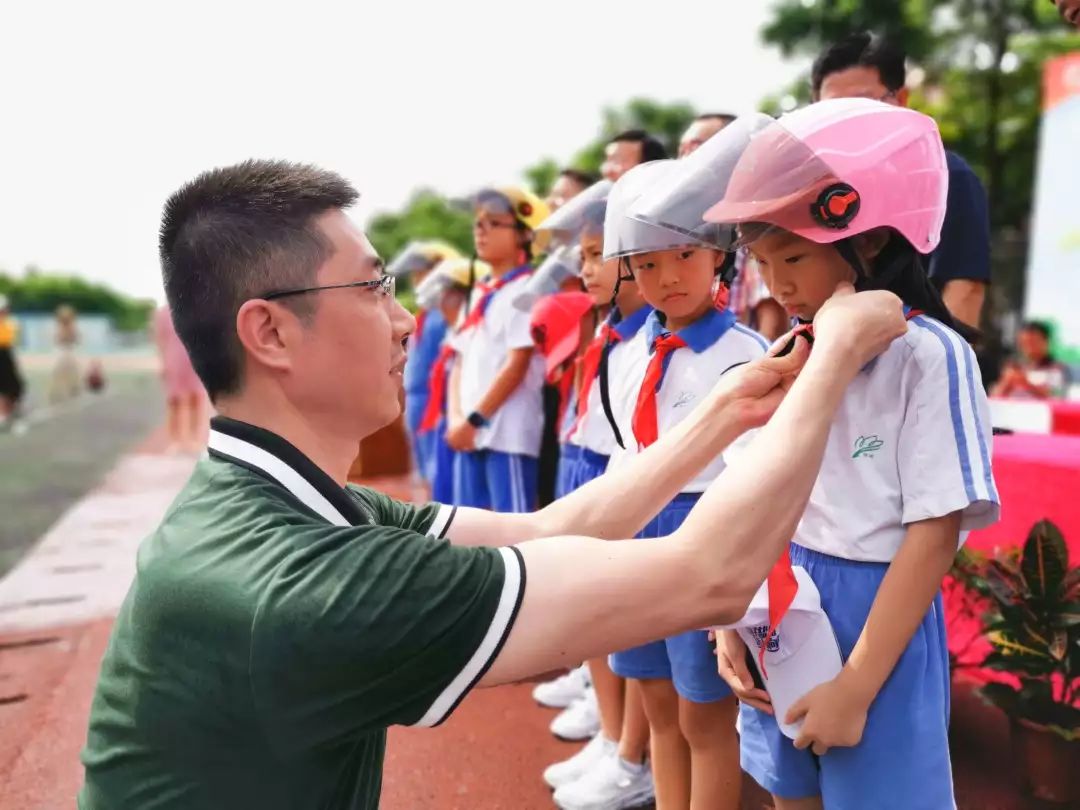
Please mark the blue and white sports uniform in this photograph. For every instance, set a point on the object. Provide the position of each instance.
(501, 474)
(590, 441)
(715, 343)
(423, 350)
(911, 441)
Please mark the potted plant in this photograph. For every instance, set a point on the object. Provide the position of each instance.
(1034, 630)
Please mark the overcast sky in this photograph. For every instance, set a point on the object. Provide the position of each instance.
(109, 106)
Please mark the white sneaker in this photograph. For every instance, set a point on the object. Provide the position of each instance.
(569, 770)
(609, 785)
(564, 690)
(580, 721)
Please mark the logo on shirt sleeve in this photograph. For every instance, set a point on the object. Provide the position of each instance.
(866, 446)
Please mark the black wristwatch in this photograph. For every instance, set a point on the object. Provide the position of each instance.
(477, 420)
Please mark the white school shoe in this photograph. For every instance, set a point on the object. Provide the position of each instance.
(611, 784)
(569, 770)
(564, 690)
(581, 721)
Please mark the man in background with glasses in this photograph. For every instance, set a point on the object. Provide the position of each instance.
(864, 65)
(280, 619)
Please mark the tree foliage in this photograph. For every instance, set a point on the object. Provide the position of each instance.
(39, 291)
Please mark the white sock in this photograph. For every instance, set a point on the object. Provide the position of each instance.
(632, 767)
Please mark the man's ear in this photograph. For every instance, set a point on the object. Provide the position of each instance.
(902, 96)
(266, 332)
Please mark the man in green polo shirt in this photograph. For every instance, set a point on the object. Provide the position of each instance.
(281, 620)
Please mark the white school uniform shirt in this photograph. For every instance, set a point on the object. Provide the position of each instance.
(716, 344)
(594, 431)
(911, 441)
(518, 425)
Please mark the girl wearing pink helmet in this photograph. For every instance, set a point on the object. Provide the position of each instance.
(854, 191)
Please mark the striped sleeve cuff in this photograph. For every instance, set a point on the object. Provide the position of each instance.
(505, 613)
(443, 519)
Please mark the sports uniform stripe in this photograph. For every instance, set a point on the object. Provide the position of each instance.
(285, 475)
(505, 613)
(748, 331)
(978, 449)
(984, 453)
(959, 434)
(518, 494)
(441, 525)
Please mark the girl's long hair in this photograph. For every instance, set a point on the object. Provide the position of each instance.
(899, 269)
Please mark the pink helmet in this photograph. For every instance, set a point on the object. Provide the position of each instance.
(840, 168)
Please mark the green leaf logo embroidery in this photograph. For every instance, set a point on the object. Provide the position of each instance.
(867, 446)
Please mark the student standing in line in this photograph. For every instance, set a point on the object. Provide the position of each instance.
(496, 406)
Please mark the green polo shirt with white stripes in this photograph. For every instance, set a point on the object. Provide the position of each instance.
(276, 626)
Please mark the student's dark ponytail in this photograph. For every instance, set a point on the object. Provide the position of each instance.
(899, 269)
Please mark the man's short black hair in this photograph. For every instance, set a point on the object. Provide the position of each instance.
(862, 49)
(651, 148)
(583, 179)
(237, 233)
(727, 118)
(1041, 327)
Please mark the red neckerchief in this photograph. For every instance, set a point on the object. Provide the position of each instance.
(436, 403)
(487, 293)
(644, 421)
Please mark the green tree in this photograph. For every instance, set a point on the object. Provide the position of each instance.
(427, 215)
(40, 291)
(541, 175)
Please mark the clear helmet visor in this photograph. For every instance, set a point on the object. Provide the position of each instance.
(679, 201)
(412, 259)
(429, 291)
(628, 236)
(565, 225)
(563, 263)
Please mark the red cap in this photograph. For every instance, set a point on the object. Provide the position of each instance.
(556, 326)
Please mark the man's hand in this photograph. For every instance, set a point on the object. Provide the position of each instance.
(731, 664)
(832, 715)
(857, 327)
(754, 391)
(461, 436)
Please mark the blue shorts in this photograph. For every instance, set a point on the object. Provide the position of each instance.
(586, 466)
(687, 660)
(902, 762)
(440, 462)
(568, 457)
(490, 479)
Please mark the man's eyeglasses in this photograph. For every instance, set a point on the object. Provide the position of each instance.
(386, 285)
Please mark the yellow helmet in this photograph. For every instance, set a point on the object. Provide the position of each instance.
(526, 207)
(461, 271)
(421, 255)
